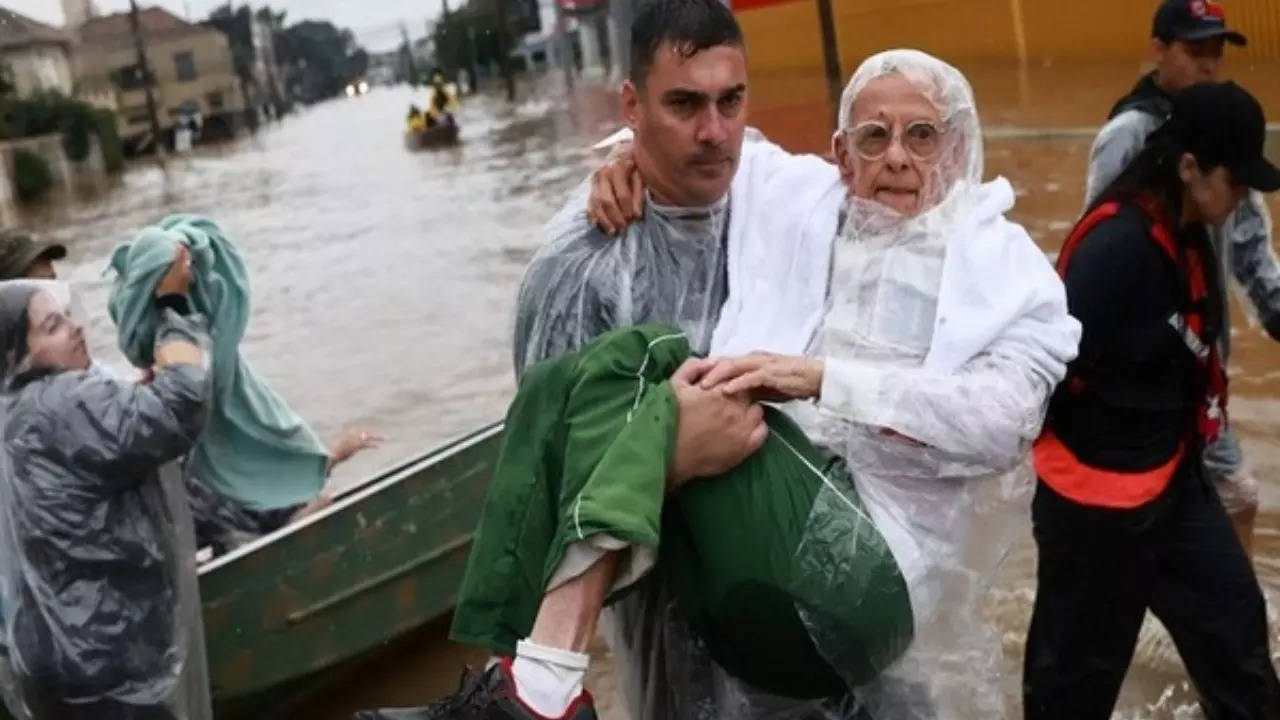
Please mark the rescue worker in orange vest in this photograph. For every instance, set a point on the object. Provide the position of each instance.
(1124, 517)
(1188, 38)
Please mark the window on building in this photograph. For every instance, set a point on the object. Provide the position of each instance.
(129, 77)
(185, 62)
(214, 101)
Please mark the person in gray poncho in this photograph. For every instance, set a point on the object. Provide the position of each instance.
(97, 577)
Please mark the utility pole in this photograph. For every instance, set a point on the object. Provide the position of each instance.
(564, 50)
(504, 52)
(407, 58)
(830, 56)
(145, 70)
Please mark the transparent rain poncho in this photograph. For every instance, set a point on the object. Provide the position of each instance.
(669, 266)
(98, 585)
(934, 395)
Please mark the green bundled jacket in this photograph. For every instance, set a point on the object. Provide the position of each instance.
(776, 563)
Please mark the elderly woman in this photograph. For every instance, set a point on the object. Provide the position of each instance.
(100, 605)
(851, 552)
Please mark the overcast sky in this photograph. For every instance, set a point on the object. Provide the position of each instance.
(375, 22)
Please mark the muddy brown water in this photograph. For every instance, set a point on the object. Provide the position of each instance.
(384, 280)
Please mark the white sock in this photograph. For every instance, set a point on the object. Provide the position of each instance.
(548, 679)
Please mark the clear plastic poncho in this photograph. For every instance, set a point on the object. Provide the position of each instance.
(98, 585)
(938, 445)
(670, 267)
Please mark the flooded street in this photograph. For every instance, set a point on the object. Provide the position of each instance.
(384, 283)
(383, 280)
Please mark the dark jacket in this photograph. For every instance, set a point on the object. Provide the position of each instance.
(1138, 384)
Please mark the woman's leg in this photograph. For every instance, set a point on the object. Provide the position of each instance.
(1094, 580)
(1206, 594)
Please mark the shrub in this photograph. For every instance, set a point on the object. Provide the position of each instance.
(31, 175)
(76, 121)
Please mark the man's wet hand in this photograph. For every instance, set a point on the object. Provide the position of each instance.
(716, 431)
(617, 193)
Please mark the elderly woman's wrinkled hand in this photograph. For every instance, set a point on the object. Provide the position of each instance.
(767, 377)
(617, 193)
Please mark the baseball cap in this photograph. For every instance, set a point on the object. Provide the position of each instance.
(1193, 20)
(19, 249)
(1223, 125)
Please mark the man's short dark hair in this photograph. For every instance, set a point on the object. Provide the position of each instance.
(690, 25)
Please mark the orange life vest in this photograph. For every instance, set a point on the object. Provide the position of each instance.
(1056, 464)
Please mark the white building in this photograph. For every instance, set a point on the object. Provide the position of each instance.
(34, 57)
(78, 12)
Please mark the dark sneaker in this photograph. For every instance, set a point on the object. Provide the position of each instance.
(490, 695)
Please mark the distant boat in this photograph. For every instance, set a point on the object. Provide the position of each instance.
(437, 136)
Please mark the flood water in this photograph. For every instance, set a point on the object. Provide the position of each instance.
(384, 283)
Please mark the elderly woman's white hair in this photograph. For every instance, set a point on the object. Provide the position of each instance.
(948, 90)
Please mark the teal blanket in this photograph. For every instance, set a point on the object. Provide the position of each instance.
(253, 447)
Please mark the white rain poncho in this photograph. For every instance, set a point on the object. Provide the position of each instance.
(98, 588)
(943, 337)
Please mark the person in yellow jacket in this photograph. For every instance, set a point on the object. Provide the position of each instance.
(416, 122)
(442, 101)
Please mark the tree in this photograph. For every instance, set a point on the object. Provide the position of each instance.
(237, 25)
(7, 84)
(323, 58)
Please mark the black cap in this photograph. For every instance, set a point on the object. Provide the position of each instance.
(1223, 125)
(19, 249)
(1193, 20)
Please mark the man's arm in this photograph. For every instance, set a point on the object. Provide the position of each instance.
(1116, 145)
(559, 307)
(555, 312)
(1253, 260)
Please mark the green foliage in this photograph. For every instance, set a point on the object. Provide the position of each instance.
(77, 121)
(31, 175)
(104, 126)
(322, 58)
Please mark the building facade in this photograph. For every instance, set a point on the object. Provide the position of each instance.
(34, 57)
(191, 69)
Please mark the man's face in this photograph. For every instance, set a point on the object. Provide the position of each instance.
(1215, 193)
(54, 340)
(1183, 63)
(41, 269)
(892, 153)
(689, 118)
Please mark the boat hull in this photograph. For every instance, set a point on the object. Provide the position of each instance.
(386, 558)
(438, 136)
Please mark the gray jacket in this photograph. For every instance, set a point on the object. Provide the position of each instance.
(1243, 242)
(91, 545)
